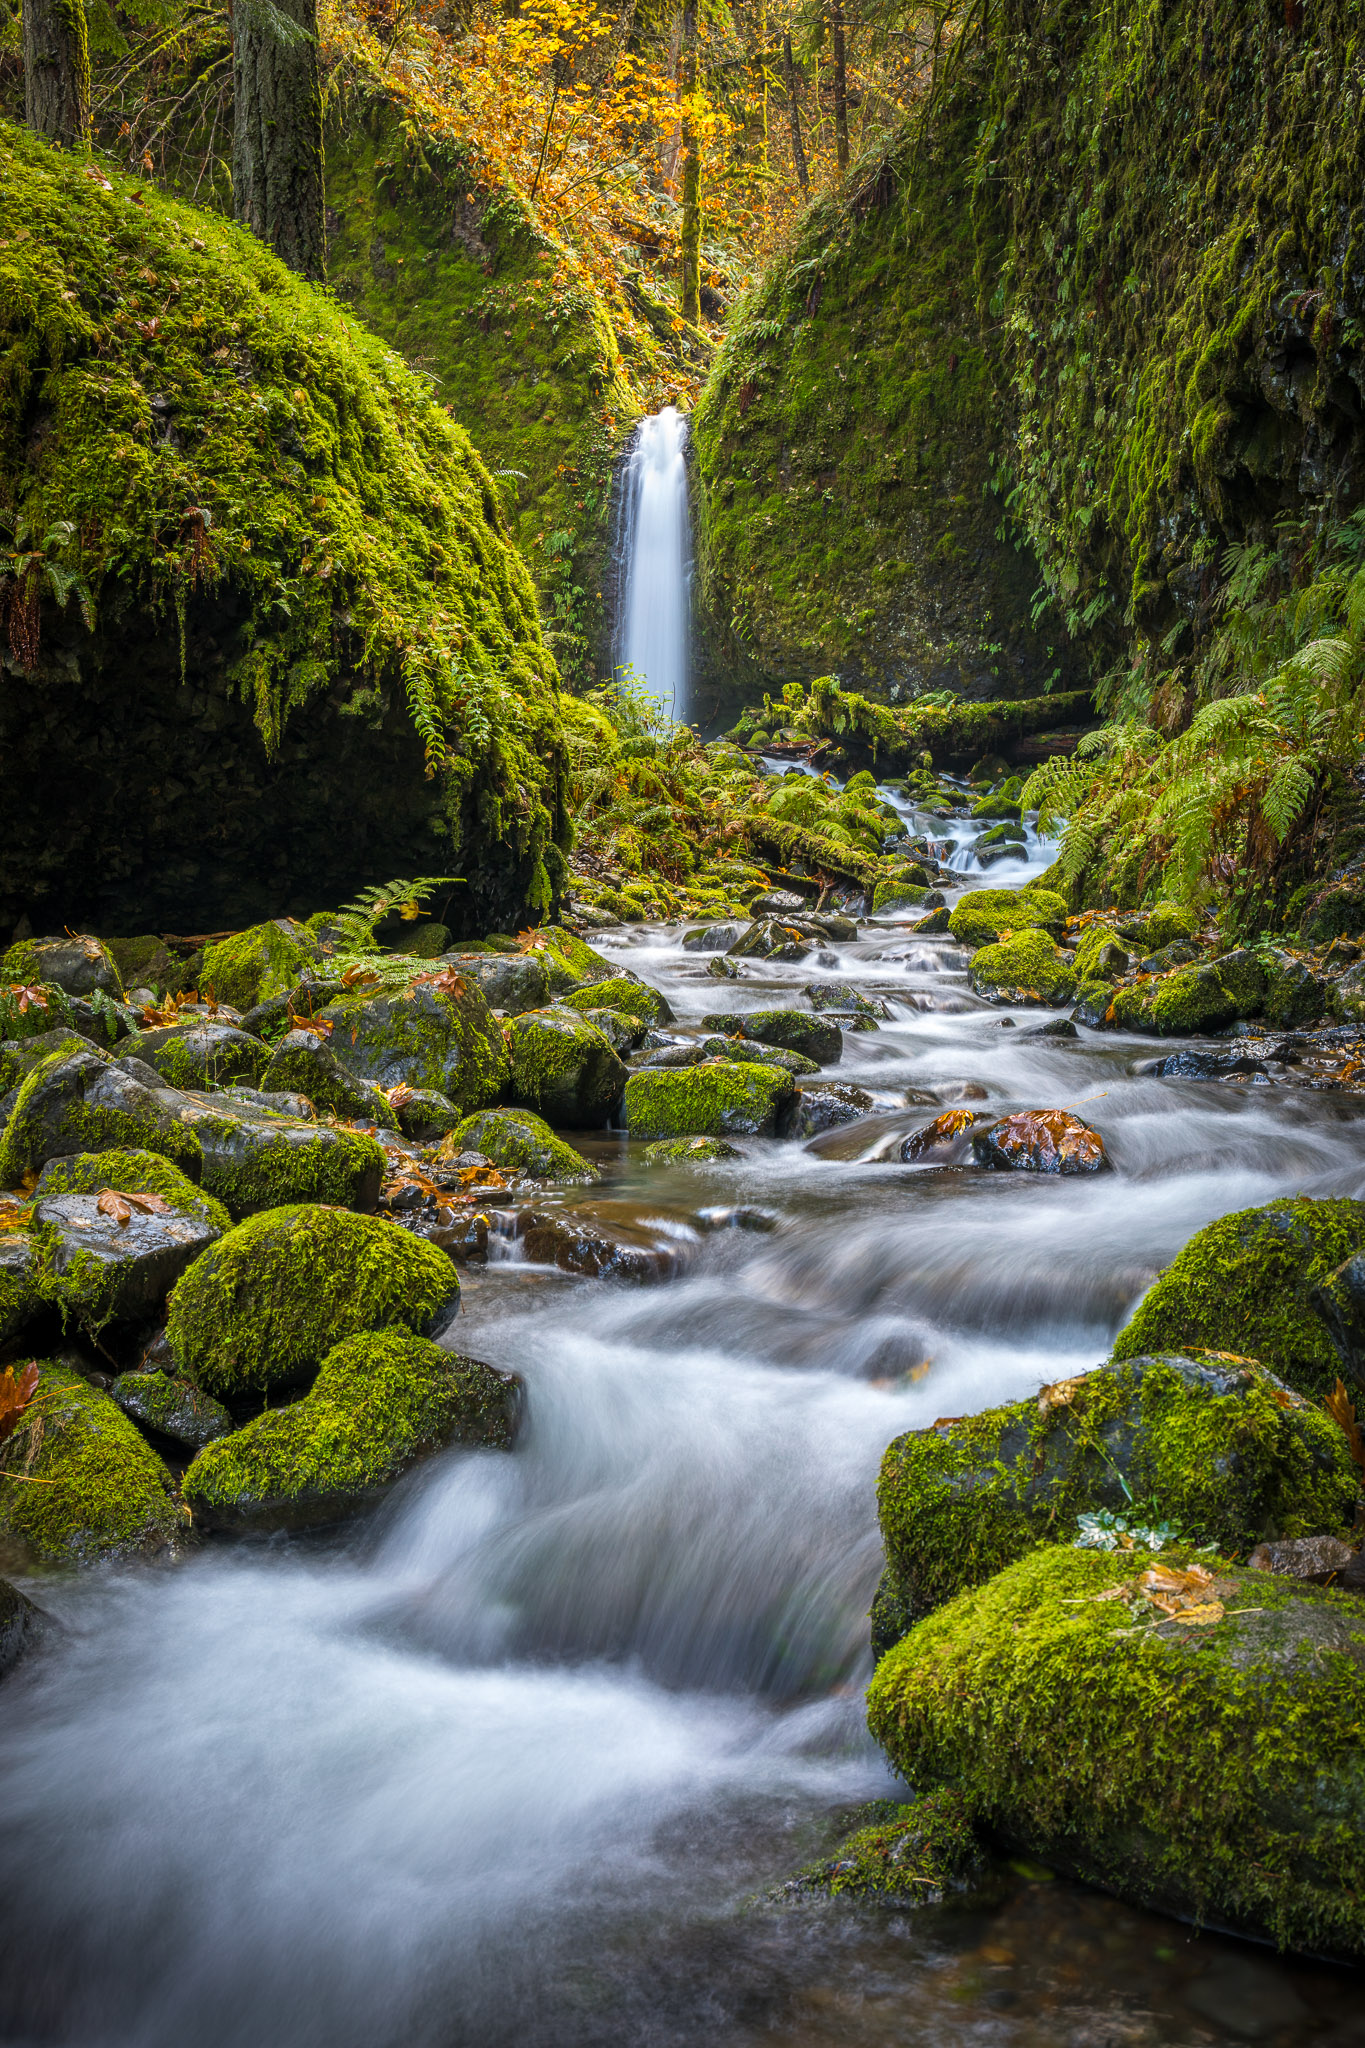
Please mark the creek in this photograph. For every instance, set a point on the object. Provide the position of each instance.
(511, 1762)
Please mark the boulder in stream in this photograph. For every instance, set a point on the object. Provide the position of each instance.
(722, 1098)
(689, 1152)
(825, 1106)
(1024, 968)
(261, 962)
(978, 919)
(522, 1141)
(564, 1068)
(620, 992)
(434, 1033)
(82, 1484)
(1040, 1141)
(814, 1037)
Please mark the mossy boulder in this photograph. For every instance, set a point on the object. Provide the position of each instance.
(511, 982)
(898, 895)
(301, 1063)
(689, 1152)
(81, 1485)
(77, 965)
(19, 1056)
(564, 1067)
(381, 1402)
(173, 1407)
(423, 1036)
(523, 1141)
(813, 1037)
(81, 1102)
(1245, 1284)
(254, 1156)
(20, 1302)
(99, 1259)
(1209, 1771)
(724, 1098)
(1221, 1452)
(1024, 968)
(918, 1854)
(984, 915)
(621, 992)
(570, 962)
(200, 1053)
(264, 961)
(624, 1032)
(265, 1304)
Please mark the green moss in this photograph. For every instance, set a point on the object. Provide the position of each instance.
(381, 1401)
(20, 1301)
(173, 1407)
(635, 998)
(264, 1304)
(1024, 968)
(734, 1098)
(303, 1064)
(133, 1173)
(897, 896)
(794, 1031)
(1190, 999)
(983, 915)
(917, 1854)
(201, 1053)
(266, 1162)
(79, 1485)
(570, 962)
(1209, 1448)
(1096, 940)
(426, 1037)
(689, 1152)
(564, 1066)
(519, 1139)
(267, 960)
(1214, 1771)
(76, 1102)
(19, 1056)
(1244, 1284)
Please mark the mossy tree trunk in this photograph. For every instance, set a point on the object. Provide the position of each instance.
(57, 70)
(690, 282)
(836, 23)
(798, 153)
(277, 133)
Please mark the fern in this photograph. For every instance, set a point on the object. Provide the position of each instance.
(353, 926)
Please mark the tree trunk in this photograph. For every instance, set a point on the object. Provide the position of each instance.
(836, 22)
(277, 131)
(690, 280)
(798, 153)
(57, 70)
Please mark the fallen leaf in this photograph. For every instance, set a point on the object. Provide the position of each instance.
(110, 1204)
(15, 1395)
(1202, 1616)
(1060, 1394)
(113, 1202)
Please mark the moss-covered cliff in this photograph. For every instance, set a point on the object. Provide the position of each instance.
(1114, 279)
(267, 634)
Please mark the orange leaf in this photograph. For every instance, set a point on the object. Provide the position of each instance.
(15, 1395)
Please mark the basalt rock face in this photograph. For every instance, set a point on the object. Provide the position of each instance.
(274, 587)
(1107, 300)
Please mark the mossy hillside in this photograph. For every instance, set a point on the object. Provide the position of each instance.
(1024, 968)
(381, 1401)
(1210, 1449)
(77, 1102)
(635, 998)
(523, 1141)
(1210, 1771)
(1244, 1284)
(300, 577)
(266, 960)
(78, 1485)
(985, 915)
(131, 1172)
(264, 1305)
(723, 1098)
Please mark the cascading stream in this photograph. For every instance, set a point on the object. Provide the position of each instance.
(654, 562)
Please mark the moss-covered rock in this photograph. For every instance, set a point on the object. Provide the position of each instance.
(267, 960)
(813, 1037)
(1245, 1284)
(19, 1056)
(424, 1113)
(625, 1033)
(38, 1010)
(81, 1102)
(254, 1156)
(619, 992)
(519, 1139)
(1211, 1771)
(301, 1063)
(77, 965)
(425, 1036)
(982, 916)
(724, 1098)
(1190, 999)
(511, 982)
(381, 1402)
(201, 1053)
(266, 1303)
(1218, 1451)
(79, 1485)
(173, 1407)
(898, 896)
(689, 1152)
(565, 1067)
(20, 1302)
(111, 1263)
(1024, 968)
(918, 1854)
(570, 962)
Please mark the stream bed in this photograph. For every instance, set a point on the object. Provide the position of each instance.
(522, 1759)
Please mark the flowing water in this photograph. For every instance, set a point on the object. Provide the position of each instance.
(654, 561)
(513, 1763)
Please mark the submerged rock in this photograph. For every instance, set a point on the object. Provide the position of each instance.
(381, 1402)
(84, 1486)
(689, 1152)
(919, 1854)
(522, 1141)
(1040, 1141)
(613, 1241)
(1076, 1725)
(564, 1068)
(173, 1406)
(724, 1098)
(22, 1626)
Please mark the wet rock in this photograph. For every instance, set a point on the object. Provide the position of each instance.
(936, 921)
(172, 1406)
(774, 902)
(900, 895)
(722, 969)
(1246, 1998)
(523, 1142)
(689, 1152)
(199, 1054)
(564, 1068)
(569, 961)
(623, 1032)
(1056, 1027)
(130, 1172)
(93, 1489)
(112, 1257)
(511, 982)
(1248, 1284)
(254, 1158)
(1081, 1736)
(769, 939)
(626, 993)
(919, 1854)
(724, 1099)
(1338, 1298)
(1233, 1064)
(424, 1114)
(845, 998)
(794, 1030)
(710, 938)
(19, 1056)
(1040, 1141)
(299, 1107)
(20, 1302)
(260, 962)
(944, 1142)
(304, 999)
(266, 1303)
(824, 1107)
(382, 1402)
(736, 1216)
(77, 965)
(433, 1034)
(22, 1626)
(303, 1063)
(1189, 1000)
(1321, 1559)
(690, 1055)
(793, 1063)
(81, 1102)
(980, 918)
(1024, 968)
(613, 1241)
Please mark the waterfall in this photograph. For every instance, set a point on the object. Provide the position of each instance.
(654, 561)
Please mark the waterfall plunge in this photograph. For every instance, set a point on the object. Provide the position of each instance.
(655, 561)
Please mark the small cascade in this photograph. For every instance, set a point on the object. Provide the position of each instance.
(654, 561)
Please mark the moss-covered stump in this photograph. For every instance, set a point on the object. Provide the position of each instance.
(815, 1038)
(920, 1855)
(110, 1257)
(423, 1036)
(722, 1099)
(381, 1402)
(255, 1157)
(200, 1054)
(985, 915)
(301, 582)
(78, 1484)
(81, 1102)
(1246, 1284)
(689, 1152)
(564, 1067)
(78, 966)
(173, 1407)
(1220, 1452)
(625, 993)
(1210, 1769)
(523, 1141)
(266, 1303)
(266, 960)
(511, 982)
(1024, 968)
(301, 1063)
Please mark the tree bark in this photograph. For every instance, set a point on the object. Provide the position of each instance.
(798, 153)
(836, 22)
(57, 70)
(690, 277)
(277, 131)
